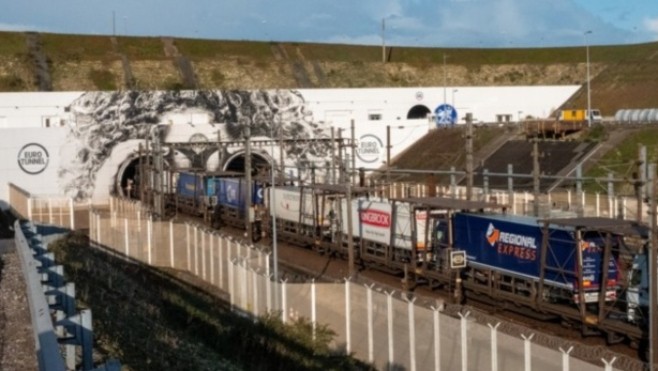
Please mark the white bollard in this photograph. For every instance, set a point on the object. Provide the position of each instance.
(598, 204)
(268, 293)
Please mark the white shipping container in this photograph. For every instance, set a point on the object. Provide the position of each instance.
(373, 221)
(287, 205)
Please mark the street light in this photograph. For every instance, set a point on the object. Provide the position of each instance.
(383, 40)
(275, 255)
(445, 78)
(589, 97)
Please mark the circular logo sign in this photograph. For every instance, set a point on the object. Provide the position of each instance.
(369, 149)
(445, 114)
(33, 158)
(197, 138)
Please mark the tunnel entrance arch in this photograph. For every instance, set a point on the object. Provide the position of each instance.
(259, 164)
(418, 112)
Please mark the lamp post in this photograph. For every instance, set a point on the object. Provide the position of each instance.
(275, 255)
(589, 97)
(445, 78)
(383, 40)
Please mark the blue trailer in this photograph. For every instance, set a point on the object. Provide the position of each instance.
(512, 247)
(231, 208)
(196, 185)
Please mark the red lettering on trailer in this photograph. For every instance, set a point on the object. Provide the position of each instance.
(376, 218)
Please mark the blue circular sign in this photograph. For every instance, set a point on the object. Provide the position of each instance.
(445, 114)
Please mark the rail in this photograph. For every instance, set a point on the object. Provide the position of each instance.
(49, 295)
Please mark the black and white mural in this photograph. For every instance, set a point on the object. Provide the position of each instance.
(106, 127)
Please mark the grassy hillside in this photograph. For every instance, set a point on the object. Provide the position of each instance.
(622, 76)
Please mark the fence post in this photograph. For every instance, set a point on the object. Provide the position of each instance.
(126, 237)
(510, 187)
(464, 340)
(196, 250)
(313, 307)
(284, 301)
(72, 211)
(494, 346)
(98, 226)
(611, 194)
(453, 182)
(565, 358)
(412, 334)
(598, 204)
(268, 293)
(50, 210)
(87, 331)
(389, 312)
(149, 238)
(220, 261)
(371, 339)
(485, 185)
(230, 283)
(171, 243)
(254, 281)
(348, 318)
(212, 255)
(437, 337)
(187, 240)
(608, 365)
(527, 351)
(242, 283)
(29, 208)
(203, 254)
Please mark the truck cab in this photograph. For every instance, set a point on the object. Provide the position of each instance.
(637, 294)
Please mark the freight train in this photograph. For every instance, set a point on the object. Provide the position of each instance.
(590, 273)
(220, 198)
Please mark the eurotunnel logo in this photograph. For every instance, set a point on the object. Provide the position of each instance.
(33, 158)
(369, 148)
(512, 244)
(375, 218)
(198, 138)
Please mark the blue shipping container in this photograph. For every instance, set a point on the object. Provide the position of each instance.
(513, 244)
(231, 192)
(191, 185)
